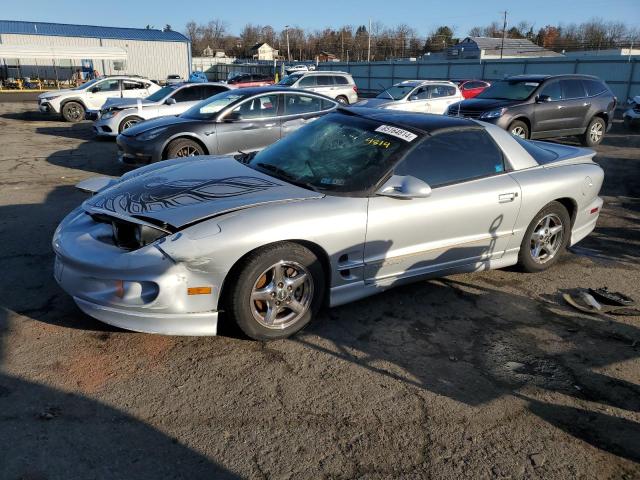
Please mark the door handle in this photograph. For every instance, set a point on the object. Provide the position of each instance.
(507, 197)
(270, 125)
(251, 126)
(209, 133)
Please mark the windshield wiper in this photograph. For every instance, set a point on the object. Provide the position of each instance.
(286, 176)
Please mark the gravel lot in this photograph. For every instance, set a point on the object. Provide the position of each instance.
(473, 376)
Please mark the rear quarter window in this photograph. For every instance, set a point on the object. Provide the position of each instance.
(594, 87)
(539, 154)
(340, 80)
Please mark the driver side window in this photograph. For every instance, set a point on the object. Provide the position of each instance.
(421, 93)
(108, 86)
(553, 90)
(259, 107)
(454, 157)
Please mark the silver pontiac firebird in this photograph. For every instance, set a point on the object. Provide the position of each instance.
(347, 206)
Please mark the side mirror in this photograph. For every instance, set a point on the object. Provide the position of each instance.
(414, 97)
(543, 98)
(232, 117)
(95, 90)
(170, 101)
(405, 187)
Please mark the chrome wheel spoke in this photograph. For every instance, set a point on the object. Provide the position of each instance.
(296, 306)
(262, 294)
(271, 314)
(555, 230)
(295, 282)
(535, 253)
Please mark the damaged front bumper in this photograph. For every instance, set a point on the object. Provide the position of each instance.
(143, 290)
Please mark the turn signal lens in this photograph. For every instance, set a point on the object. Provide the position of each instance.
(119, 288)
(199, 291)
(594, 210)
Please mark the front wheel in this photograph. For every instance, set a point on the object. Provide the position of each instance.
(183, 147)
(73, 112)
(595, 132)
(519, 129)
(545, 238)
(277, 291)
(128, 122)
(342, 99)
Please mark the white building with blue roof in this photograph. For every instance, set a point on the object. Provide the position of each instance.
(56, 50)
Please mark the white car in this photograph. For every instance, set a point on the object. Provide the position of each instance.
(73, 103)
(296, 68)
(631, 116)
(118, 114)
(425, 96)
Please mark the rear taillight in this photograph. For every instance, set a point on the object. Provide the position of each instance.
(355, 89)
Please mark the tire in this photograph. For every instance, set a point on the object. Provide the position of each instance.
(128, 122)
(342, 99)
(183, 147)
(594, 133)
(554, 246)
(73, 112)
(519, 129)
(256, 291)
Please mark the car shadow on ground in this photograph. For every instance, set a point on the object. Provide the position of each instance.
(49, 433)
(80, 131)
(98, 157)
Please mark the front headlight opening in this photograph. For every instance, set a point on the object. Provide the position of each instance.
(132, 236)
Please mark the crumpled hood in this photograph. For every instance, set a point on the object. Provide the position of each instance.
(374, 103)
(188, 191)
(122, 103)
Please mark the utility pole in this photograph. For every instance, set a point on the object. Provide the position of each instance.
(286, 29)
(504, 31)
(369, 49)
(342, 40)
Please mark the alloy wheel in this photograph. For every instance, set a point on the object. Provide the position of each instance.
(596, 131)
(546, 238)
(519, 132)
(129, 123)
(187, 151)
(281, 295)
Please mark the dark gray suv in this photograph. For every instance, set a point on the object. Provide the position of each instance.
(542, 106)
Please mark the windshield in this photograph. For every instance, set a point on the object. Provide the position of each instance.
(87, 85)
(160, 94)
(289, 80)
(338, 153)
(396, 92)
(206, 109)
(509, 90)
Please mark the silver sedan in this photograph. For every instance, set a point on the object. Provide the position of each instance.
(347, 206)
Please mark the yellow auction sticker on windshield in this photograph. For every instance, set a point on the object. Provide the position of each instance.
(405, 135)
(377, 142)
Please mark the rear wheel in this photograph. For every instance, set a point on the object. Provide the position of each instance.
(73, 112)
(183, 147)
(595, 132)
(342, 99)
(277, 291)
(519, 129)
(545, 238)
(128, 122)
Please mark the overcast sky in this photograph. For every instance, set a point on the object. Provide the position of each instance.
(423, 15)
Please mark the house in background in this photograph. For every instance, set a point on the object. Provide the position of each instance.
(263, 51)
(489, 48)
(327, 57)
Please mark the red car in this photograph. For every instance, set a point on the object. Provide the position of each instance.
(250, 80)
(471, 88)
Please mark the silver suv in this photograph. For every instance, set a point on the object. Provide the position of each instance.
(337, 85)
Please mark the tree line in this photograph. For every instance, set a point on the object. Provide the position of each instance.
(352, 42)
